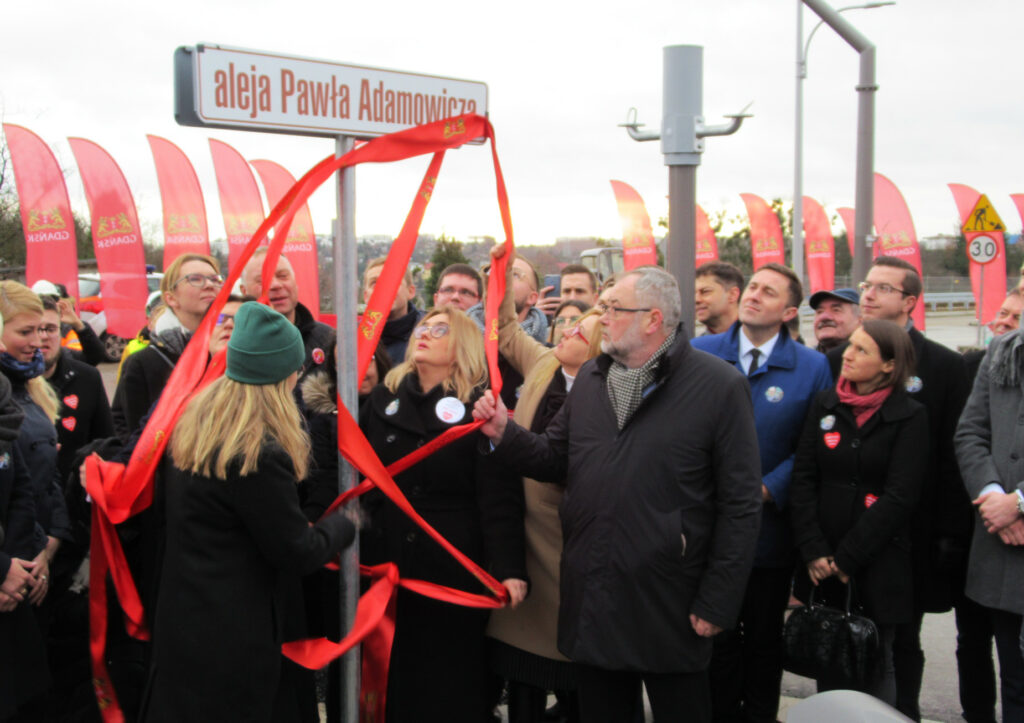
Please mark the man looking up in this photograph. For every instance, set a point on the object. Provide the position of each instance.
(717, 297)
(784, 376)
(836, 315)
(404, 315)
(942, 522)
(459, 285)
(660, 511)
(1007, 319)
(283, 296)
(189, 286)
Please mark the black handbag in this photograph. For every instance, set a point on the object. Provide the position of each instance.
(824, 642)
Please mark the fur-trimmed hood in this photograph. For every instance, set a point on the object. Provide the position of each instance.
(319, 393)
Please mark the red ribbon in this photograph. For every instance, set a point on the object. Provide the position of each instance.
(119, 491)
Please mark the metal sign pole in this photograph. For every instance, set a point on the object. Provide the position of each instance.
(345, 290)
(981, 307)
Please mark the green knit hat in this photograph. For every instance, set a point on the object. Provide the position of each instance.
(264, 347)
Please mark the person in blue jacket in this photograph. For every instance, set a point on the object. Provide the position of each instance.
(784, 376)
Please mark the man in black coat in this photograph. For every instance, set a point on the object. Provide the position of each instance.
(84, 409)
(942, 522)
(657, 447)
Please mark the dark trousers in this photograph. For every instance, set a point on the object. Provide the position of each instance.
(1007, 627)
(612, 696)
(746, 665)
(975, 669)
(908, 661)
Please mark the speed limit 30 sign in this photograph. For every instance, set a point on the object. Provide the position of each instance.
(982, 249)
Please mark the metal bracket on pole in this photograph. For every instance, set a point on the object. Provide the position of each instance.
(682, 141)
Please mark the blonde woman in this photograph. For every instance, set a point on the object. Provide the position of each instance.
(23, 365)
(522, 642)
(437, 670)
(235, 536)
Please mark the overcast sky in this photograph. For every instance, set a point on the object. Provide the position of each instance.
(561, 76)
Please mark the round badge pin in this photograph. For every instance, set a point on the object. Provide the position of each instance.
(914, 385)
(773, 394)
(827, 422)
(450, 410)
(318, 356)
(392, 408)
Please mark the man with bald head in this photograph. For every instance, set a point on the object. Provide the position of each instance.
(283, 296)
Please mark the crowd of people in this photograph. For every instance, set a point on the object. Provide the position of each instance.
(652, 504)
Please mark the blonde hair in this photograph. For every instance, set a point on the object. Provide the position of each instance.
(228, 421)
(172, 275)
(469, 365)
(17, 299)
(538, 378)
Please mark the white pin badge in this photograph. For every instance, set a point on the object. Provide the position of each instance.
(827, 422)
(392, 408)
(914, 385)
(773, 394)
(450, 410)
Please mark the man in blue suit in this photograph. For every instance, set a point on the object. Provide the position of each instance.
(784, 376)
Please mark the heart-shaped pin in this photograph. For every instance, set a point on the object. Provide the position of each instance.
(832, 440)
(71, 401)
(69, 423)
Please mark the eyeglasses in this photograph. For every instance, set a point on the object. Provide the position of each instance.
(48, 330)
(221, 318)
(563, 320)
(436, 330)
(200, 280)
(575, 331)
(452, 291)
(866, 286)
(614, 311)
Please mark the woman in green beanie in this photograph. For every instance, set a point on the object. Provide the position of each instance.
(235, 536)
(437, 670)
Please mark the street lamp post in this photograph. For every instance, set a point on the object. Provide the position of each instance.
(801, 73)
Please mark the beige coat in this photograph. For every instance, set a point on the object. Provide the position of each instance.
(533, 626)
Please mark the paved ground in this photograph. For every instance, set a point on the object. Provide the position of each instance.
(939, 700)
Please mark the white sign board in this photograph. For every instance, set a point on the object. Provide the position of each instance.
(225, 87)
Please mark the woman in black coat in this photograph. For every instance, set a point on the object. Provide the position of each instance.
(437, 670)
(235, 535)
(856, 480)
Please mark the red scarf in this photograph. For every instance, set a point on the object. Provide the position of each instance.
(862, 405)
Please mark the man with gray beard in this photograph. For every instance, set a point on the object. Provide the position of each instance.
(661, 510)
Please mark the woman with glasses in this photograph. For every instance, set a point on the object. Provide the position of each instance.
(189, 286)
(437, 670)
(522, 641)
(566, 316)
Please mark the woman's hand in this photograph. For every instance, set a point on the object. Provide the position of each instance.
(40, 582)
(843, 577)
(516, 590)
(494, 415)
(68, 315)
(819, 569)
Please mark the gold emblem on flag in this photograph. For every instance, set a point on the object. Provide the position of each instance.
(427, 190)
(369, 323)
(899, 240)
(183, 223)
(49, 219)
(454, 128)
(113, 225)
(818, 246)
(766, 244)
(494, 330)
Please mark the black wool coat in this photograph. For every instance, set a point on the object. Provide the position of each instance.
(232, 547)
(660, 519)
(84, 409)
(437, 663)
(143, 378)
(853, 497)
(944, 516)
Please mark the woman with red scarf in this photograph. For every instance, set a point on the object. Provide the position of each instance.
(856, 482)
